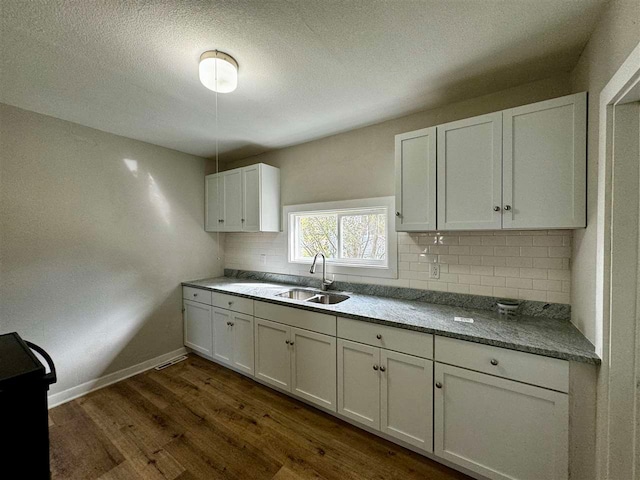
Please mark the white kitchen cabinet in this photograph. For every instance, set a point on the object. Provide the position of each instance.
(197, 326)
(233, 339)
(406, 398)
(313, 367)
(415, 167)
(544, 162)
(469, 165)
(387, 391)
(359, 382)
(521, 168)
(298, 361)
(500, 428)
(244, 199)
(272, 354)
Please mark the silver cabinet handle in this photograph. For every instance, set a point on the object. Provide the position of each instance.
(398, 214)
(507, 207)
(375, 367)
(496, 209)
(228, 324)
(438, 385)
(379, 337)
(494, 361)
(231, 324)
(382, 368)
(291, 343)
(287, 342)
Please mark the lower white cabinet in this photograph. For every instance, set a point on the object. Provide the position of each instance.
(298, 361)
(233, 339)
(387, 391)
(197, 326)
(500, 428)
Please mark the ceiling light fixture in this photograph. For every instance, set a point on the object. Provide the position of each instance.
(218, 71)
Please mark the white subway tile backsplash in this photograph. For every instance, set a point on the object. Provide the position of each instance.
(530, 265)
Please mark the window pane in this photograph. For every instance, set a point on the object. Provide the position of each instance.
(317, 233)
(364, 236)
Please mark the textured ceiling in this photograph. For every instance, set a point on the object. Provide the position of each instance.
(307, 68)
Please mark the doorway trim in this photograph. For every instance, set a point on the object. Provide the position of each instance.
(615, 93)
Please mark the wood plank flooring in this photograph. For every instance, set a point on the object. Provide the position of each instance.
(198, 420)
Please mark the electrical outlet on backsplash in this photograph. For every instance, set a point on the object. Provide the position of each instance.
(527, 265)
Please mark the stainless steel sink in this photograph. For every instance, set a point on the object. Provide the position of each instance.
(298, 294)
(328, 298)
(313, 296)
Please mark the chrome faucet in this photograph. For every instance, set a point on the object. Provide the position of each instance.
(325, 282)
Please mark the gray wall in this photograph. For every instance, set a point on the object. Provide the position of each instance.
(96, 233)
(615, 36)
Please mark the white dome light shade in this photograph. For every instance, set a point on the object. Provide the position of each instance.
(218, 71)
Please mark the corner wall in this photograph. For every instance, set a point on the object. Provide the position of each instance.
(96, 233)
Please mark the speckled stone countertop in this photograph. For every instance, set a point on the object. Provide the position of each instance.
(538, 335)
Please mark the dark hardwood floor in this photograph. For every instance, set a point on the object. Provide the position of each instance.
(197, 420)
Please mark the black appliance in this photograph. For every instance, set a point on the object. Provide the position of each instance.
(24, 423)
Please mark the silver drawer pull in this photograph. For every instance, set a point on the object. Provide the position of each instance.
(382, 368)
(375, 367)
(379, 337)
(494, 361)
(287, 342)
(438, 385)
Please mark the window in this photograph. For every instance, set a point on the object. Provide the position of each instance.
(353, 235)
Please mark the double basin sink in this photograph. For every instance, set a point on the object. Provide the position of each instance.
(313, 296)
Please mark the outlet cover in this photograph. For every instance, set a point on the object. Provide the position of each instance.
(434, 271)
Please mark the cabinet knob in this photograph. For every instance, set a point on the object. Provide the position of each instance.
(195, 294)
(494, 361)
(438, 385)
(291, 343)
(379, 336)
(397, 214)
(375, 367)
(496, 208)
(287, 342)
(242, 220)
(507, 207)
(230, 303)
(382, 368)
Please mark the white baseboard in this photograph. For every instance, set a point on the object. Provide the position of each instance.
(80, 390)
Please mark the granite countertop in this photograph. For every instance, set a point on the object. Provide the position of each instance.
(539, 335)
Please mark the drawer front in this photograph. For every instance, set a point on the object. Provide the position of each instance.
(295, 317)
(392, 338)
(197, 295)
(231, 302)
(524, 367)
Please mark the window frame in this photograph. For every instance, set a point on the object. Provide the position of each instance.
(341, 209)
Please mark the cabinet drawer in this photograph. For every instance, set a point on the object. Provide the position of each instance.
(316, 322)
(391, 338)
(524, 367)
(197, 295)
(231, 302)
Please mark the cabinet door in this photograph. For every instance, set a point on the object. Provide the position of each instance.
(273, 354)
(242, 327)
(359, 382)
(415, 168)
(500, 428)
(232, 200)
(197, 326)
(222, 336)
(313, 367)
(214, 206)
(470, 173)
(406, 398)
(545, 164)
(251, 199)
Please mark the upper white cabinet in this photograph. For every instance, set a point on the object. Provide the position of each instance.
(243, 200)
(522, 168)
(470, 173)
(416, 180)
(544, 164)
